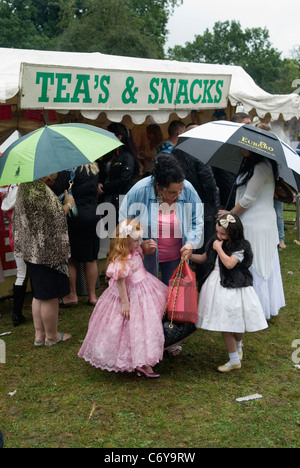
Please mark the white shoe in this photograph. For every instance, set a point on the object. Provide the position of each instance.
(229, 368)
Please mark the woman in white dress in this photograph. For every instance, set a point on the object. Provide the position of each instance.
(255, 206)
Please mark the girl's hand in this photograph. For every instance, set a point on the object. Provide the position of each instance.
(149, 246)
(217, 245)
(126, 310)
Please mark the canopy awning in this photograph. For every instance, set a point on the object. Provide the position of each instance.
(95, 83)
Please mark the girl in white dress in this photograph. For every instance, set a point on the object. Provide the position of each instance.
(228, 302)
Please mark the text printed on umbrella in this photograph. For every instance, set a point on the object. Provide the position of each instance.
(262, 145)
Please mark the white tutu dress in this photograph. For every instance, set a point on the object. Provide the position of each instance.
(235, 310)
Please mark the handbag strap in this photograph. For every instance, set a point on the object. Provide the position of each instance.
(176, 283)
(72, 177)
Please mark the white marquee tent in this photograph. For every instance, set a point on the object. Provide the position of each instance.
(232, 85)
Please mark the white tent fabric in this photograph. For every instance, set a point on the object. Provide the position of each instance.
(242, 90)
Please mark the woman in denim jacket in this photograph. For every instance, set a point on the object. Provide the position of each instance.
(171, 214)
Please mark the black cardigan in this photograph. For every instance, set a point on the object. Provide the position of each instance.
(237, 277)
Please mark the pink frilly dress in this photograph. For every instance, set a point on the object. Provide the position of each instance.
(116, 344)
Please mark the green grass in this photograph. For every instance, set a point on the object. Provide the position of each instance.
(61, 401)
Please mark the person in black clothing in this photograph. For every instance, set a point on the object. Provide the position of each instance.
(201, 177)
(84, 241)
(203, 181)
(118, 169)
(225, 179)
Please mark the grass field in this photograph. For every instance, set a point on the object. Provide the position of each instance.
(61, 401)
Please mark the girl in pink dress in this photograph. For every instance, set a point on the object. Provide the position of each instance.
(125, 331)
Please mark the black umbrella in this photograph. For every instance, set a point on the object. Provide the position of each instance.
(219, 144)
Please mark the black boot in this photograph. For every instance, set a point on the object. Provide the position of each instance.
(19, 296)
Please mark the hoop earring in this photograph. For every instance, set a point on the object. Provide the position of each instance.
(160, 198)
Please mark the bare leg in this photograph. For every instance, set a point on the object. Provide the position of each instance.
(91, 274)
(230, 342)
(239, 336)
(49, 315)
(72, 297)
(40, 333)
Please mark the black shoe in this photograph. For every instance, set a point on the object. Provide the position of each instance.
(19, 296)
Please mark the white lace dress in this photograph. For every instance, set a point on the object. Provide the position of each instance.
(235, 310)
(261, 231)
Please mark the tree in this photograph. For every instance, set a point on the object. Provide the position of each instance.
(228, 44)
(121, 27)
(28, 23)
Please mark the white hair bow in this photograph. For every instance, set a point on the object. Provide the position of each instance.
(130, 230)
(225, 222)
(125, 228)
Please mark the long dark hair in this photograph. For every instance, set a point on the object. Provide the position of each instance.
(248, 165)
(235, 230)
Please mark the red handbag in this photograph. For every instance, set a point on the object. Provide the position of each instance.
(182, 304)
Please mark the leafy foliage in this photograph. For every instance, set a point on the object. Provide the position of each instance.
(138, 28)
(121, 27)
(251, 49)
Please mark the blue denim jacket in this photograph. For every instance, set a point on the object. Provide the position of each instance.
(140, 202)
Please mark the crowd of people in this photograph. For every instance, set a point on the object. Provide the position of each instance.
(225, 225)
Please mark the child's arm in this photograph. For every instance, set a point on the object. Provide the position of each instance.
(124, 298)
(228, 262)
(197, 258)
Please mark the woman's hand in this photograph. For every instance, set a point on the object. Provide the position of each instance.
(126, 310)
(100, 189)
(222, 213)
(149, 247)
(187, 251)
(69, 199)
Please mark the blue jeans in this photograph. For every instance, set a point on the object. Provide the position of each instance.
(280, 221)
(167, 270)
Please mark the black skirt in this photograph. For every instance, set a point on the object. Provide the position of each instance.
(47, 283)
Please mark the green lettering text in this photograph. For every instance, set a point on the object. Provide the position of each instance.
(154, 98)
(45, 77)
(192, 95)
(104, 98)
(167, 90)
(62, 87)
(82, 87)
(207, 89)
(183, 92)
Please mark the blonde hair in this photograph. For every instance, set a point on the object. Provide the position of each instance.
(119, 249)
(93, 168)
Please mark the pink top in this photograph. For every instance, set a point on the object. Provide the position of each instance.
(169, 237)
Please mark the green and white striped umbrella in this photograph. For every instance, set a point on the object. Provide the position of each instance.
(53, 149)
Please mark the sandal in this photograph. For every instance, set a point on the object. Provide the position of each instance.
(38, 344)
(174, 350)
(65, 305)
(61, 340)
